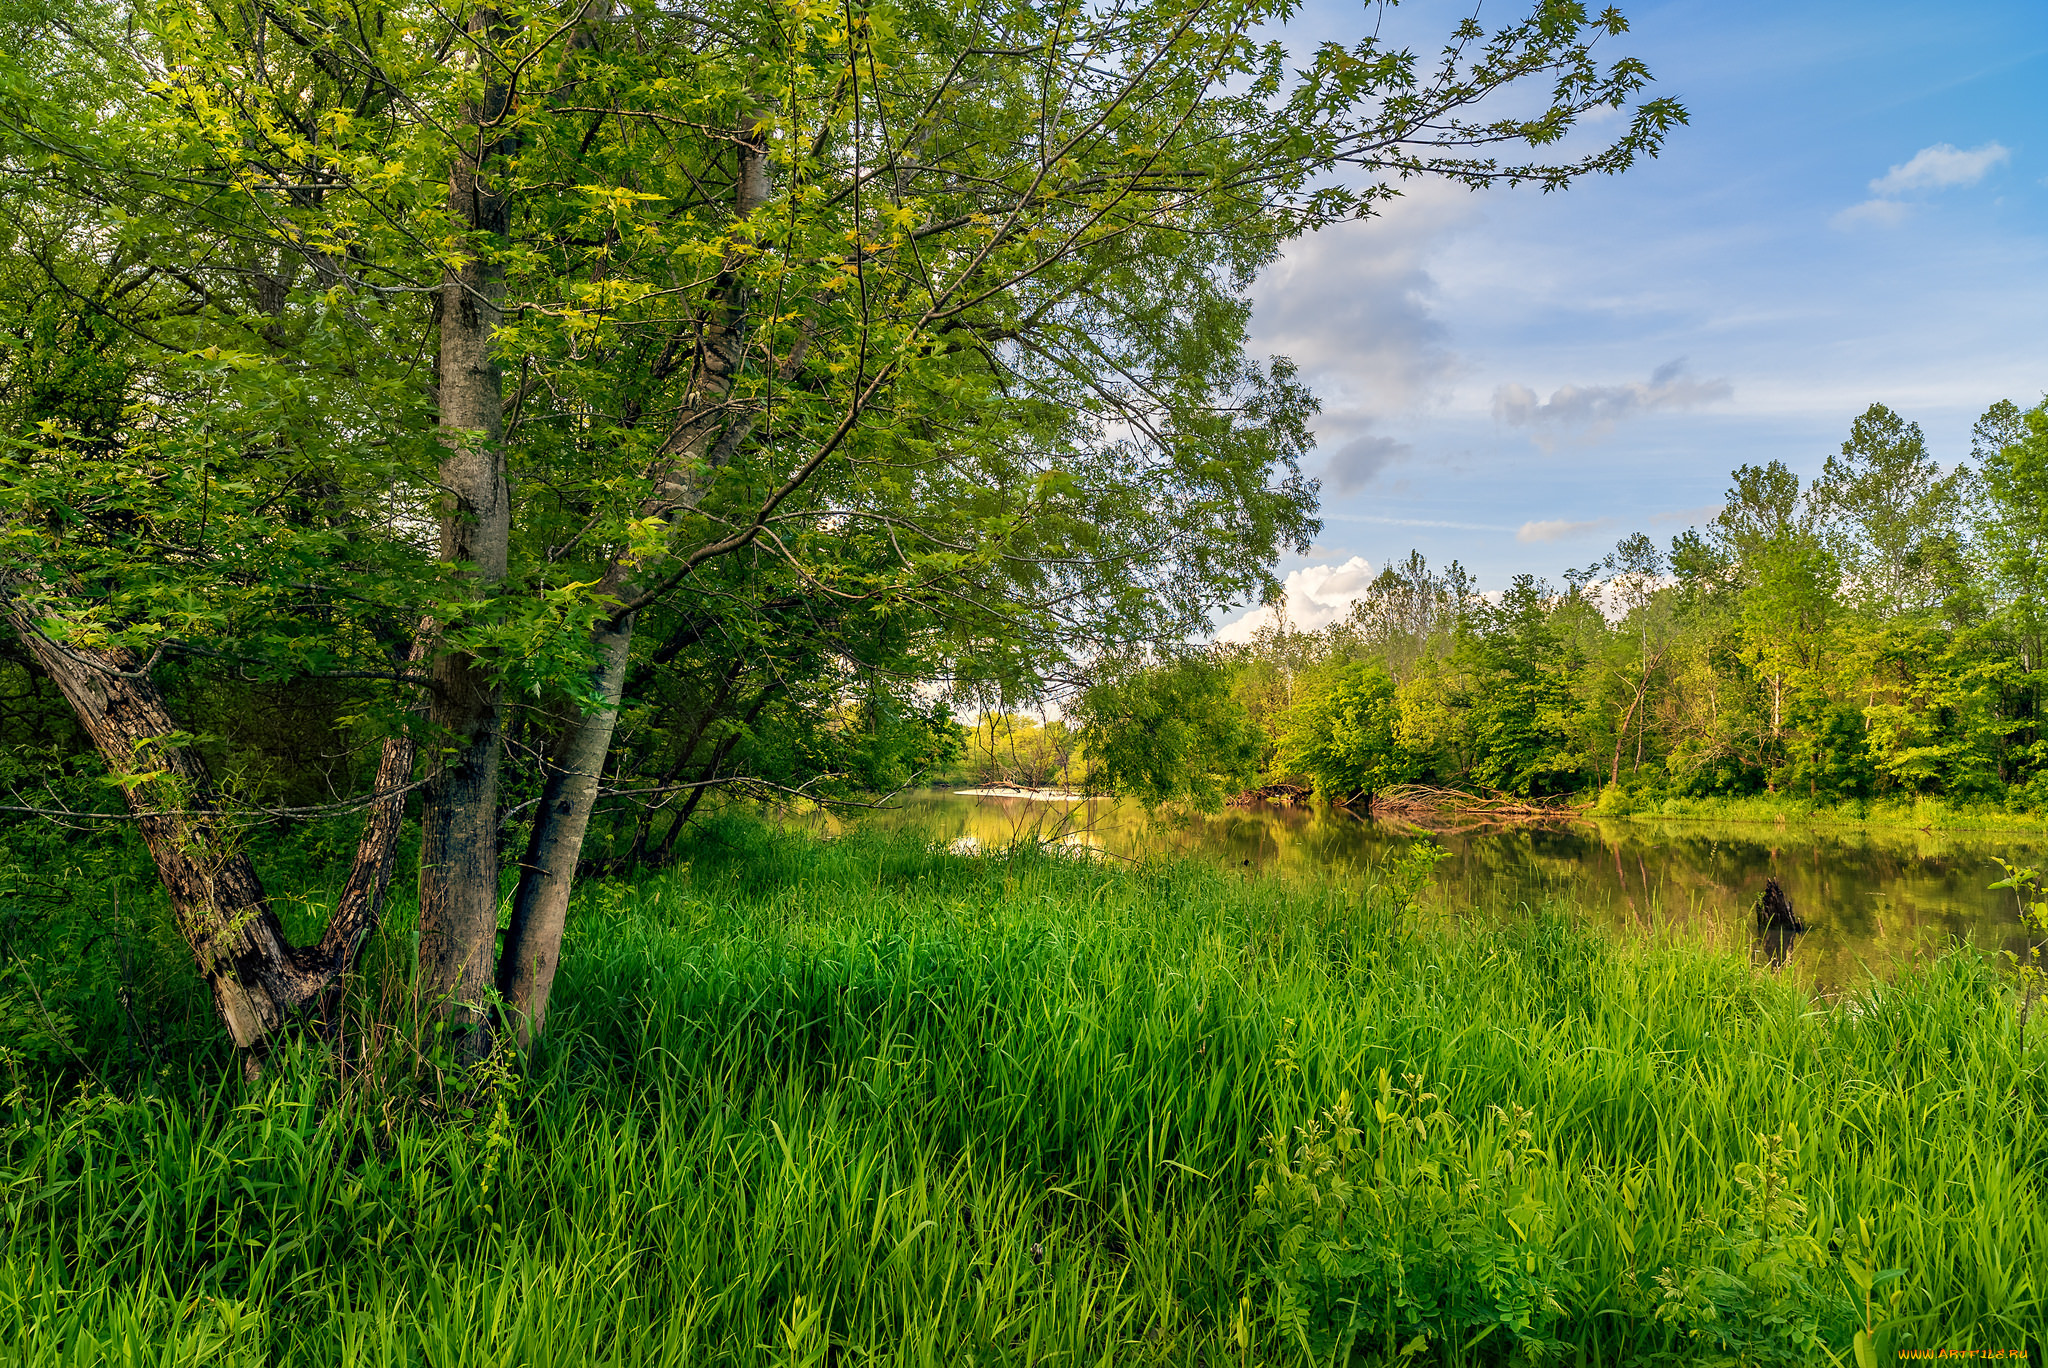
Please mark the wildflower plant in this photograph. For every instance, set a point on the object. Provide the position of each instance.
(1757, 1287)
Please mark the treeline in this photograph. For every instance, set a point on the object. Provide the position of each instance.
(1873, 634)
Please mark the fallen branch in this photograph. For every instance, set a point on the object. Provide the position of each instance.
(1436, 808)
(1285, 795)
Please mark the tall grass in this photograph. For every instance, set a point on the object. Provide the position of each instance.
(863, 1102)
(1906, 813)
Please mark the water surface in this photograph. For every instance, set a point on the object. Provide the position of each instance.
(1871, 897)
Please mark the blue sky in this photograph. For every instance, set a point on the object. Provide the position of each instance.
(1857, 213)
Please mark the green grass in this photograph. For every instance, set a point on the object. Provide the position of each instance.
(859, 1102)
(1919, 813)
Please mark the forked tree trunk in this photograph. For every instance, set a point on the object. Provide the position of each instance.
(259, 981)
(459, 819)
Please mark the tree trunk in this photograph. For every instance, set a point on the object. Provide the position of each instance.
(533, 944)
(258, 980)
(699, 445)
(361, 904)
(459, 821)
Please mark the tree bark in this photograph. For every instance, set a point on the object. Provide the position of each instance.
(258, 980)
(533, 943)
(459, 820)
(701, 442)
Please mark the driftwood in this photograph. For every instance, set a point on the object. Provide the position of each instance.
(1285, 795)
(1423, 802)
(1774, 910)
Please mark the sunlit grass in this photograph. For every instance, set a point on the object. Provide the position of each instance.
(861, 1101)
(1906, 813)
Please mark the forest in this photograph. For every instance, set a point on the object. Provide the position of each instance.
(1872, 636)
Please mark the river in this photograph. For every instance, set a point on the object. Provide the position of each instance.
(1871, 897)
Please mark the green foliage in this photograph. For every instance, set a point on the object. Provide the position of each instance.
(1758, 1288)
(1414, 1232)
(2027, 968)
(1871, 637)
(1170, 733)
(990, 402)
(1345, 735)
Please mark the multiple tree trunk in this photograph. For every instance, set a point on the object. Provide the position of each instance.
(459, 820)
(260, 982)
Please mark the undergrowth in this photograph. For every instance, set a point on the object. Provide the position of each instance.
(863, 1101)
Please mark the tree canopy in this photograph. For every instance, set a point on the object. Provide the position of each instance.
(733, 382)
(1872, 634)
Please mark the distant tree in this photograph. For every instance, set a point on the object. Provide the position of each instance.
(2011, 524)
(1890, 513)
(1168, 733)
(1345, 735)
(1525, 712)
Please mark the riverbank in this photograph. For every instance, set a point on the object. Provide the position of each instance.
(861, 1101)
(1923, 814)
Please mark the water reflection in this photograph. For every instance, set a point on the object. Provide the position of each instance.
(1872, 897)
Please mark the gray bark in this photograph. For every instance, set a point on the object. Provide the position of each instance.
(703, 441)
(260, 982)
(459, 821)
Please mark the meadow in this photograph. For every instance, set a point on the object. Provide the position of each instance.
(862, 1101)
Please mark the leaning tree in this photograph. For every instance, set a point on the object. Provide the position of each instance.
(506, 360)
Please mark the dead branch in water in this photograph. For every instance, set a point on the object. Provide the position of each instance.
(1450, 811)
(1285, 795)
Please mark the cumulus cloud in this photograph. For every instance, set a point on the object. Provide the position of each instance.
(1939, 167)
(1315, 596)
(1354, 307)
(1559, 529)
(1595, 409)
(1352, 466)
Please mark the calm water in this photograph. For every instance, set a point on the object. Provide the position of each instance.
(1869, 897)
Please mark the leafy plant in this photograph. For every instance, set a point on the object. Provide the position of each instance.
(2034, 916)
(1759, 1288)
(1860, 1263)
(1421, 1231)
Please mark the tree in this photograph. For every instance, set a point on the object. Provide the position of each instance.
(2011, 524)
(671, 316)
(1890, 512)
(1635, 568)
(1345, 736)
(1168, 733)
(1524, 710)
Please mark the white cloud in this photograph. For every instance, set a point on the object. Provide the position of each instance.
(1355, 307)
(1315, 596)
(1559, 529)
(1354, 304)
(1940, 166)
(1595, 409)
(1882, 212)
(1931, 168)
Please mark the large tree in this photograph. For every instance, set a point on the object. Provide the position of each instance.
(441, 349)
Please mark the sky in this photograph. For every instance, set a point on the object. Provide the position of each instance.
(1857, 214)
